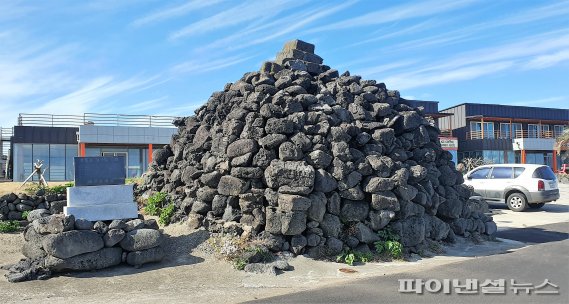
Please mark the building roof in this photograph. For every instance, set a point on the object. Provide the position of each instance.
(514, 112)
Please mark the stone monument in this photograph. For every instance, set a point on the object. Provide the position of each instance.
(99, 193)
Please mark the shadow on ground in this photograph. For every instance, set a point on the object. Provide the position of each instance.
(178, 253)
(533, 235)
(549, 208)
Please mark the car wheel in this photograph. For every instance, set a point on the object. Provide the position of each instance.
(536, 206)
(517, 202)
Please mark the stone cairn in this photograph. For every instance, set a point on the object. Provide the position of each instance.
(13, 205)
(316, 162)
(59, 243)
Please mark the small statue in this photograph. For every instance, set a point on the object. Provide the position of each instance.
(37, 170)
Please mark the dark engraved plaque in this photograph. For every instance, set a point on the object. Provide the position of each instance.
(100, 170)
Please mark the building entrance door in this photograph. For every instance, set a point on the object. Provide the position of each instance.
(123, 154)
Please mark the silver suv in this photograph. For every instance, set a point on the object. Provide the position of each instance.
(520, 185)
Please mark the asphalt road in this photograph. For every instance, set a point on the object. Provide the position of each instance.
(546, 257)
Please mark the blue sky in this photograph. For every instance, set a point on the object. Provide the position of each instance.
(167, 57)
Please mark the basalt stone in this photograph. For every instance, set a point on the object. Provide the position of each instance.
(293, 223)
(37, 213)
(152, 255)
(229, 185)
(113, 237)
(298, 149)
(103, 258)
(53, 224)
(83, 224)
(354, 211)
(71, 243)
(289, 173)
(141, 239)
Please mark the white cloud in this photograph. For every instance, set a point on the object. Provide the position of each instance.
(532, 52)
(397, 13)
(549, 60)
(533, 102)
(174, 11)
(414, 80)
(93, 94)
(208, 64)
(245, 12)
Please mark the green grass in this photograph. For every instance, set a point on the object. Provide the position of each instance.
(25, 215)
(389, 244)
(166, 214)
(59, 189)
(155, 203)
(350, 257)
(9, 226)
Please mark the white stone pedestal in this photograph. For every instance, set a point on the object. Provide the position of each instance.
(101, 203)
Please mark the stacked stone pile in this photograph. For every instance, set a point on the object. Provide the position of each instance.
(58, 243)
(315, 161)
(13, 205)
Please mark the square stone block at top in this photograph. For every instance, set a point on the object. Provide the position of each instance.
(299, 45)
(100, 170)
(99, 195)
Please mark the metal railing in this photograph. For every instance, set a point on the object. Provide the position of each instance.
(5, 136)
(60, 120)
(508, 135)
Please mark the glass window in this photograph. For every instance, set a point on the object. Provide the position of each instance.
(70, 153)
(23, 161)
(481, 173)
(518, 171)
(134, 163)
(476, 130)
(502, 172)
(488, 130)
(533, 130)
(558, 130)
(505, 130)
(545, 131)
(517, 130)
(544, 173)
(57, 162)
(511, 157)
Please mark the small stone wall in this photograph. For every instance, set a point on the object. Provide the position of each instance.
(59, 243)
(13, 205)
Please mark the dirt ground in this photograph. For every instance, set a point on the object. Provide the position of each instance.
(9, 187)
(192, 275)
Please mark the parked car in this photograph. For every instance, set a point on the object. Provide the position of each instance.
(519, 185)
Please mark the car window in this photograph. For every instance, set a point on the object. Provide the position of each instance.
(502, 172)
(518, 171)
(544, 173)
(479, 173)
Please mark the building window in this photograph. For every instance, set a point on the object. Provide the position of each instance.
(493, 156)
(558, 130)
(134, 163)
(510, 157)
(57, 162)
(478, 130)
(512, 130)
(533, 131)
(545, 132)
(70, 153)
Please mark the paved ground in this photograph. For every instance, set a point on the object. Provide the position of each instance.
(532, 264)
(542, 255)
(553, 212)
(189, 275)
